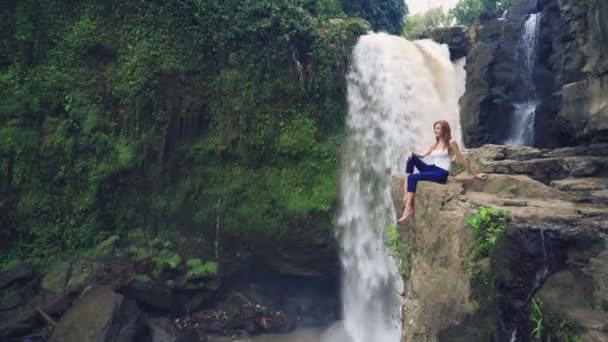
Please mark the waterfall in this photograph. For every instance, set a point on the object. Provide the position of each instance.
(522, 132)
(396, 90)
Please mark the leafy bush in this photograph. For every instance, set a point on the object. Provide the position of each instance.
(384, 15)
(487, 224)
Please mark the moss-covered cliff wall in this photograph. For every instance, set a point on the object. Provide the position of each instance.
(219, 119)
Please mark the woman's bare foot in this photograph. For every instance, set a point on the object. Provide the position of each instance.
(407, 212)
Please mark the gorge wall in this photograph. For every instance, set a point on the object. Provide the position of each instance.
(553, 250)
(569, 74)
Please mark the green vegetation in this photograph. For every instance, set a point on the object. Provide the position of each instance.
(467, 11)
(384, 15)
(217, 119)
(548, 328)
(512, 189)
(487, 224)
(197, 269)
(399, 249)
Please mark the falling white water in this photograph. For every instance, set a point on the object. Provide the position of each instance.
(396, 90)
(523, 126)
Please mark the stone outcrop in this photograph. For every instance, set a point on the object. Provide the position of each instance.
(100, 314)
(555, 246)
(487, 104)
(570, 75)
(456, 38)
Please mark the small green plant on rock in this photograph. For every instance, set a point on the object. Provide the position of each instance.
(549, 328)
(198, 269)
(512, 189)
(487, 225)
(399, 249)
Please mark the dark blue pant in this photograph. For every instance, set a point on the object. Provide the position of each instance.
(427, 173)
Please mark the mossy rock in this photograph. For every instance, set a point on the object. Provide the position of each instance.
(55, 278)
(166, 261)
(107, 246)
(197, 269)
(10, 299)
(81, 273)
(139, 253)
(141, 278)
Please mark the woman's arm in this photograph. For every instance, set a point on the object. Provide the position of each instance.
(463, 161)
(426, 153)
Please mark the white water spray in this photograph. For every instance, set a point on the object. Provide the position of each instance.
(396, 90)
(523, 125)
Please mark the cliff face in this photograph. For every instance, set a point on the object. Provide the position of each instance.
(569, 75)
(554, 249)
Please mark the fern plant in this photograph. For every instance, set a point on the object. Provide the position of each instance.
(487, 224)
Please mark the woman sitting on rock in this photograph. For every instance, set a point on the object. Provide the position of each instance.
(442, 152)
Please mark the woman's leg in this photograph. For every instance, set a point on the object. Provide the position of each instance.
(413, 161)
(408, 210)
(434, 174)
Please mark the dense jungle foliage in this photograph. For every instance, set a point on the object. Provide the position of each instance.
(214, 119)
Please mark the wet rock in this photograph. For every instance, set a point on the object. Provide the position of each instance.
(190, 335)
(456, 38)
(152, 295)
(163, 298)
(162, 330)
(101, 315)
(487, 104)
(56, 276)
(10, 299)
(20, 273)
(584, 110)
(19, 321)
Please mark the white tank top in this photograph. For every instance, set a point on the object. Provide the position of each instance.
(441, 158)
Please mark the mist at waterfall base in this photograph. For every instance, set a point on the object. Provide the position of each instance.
(396, 90)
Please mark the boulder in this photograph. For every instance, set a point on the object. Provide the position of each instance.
(584, 111)
(100, 314)
(164, 298)
(162, 330)
(18, 274)
(18, 321)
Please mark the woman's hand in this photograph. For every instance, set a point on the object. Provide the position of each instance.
(482, 176)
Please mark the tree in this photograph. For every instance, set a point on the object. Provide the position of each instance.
(416, 25)
(384, 15)
(467, 11)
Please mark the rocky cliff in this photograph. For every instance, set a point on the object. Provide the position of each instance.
(554, 250)
(569, 76)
